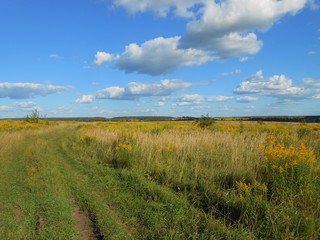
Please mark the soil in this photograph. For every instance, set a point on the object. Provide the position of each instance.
(84, 225)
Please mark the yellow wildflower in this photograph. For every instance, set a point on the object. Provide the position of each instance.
(280, 169)
(246, 188)
(124, 146)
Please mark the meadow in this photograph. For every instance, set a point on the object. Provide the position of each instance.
(159, 180)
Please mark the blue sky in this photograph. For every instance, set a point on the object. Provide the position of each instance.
(71, 58)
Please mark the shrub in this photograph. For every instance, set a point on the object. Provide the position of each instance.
(34, 116)
(205, 121)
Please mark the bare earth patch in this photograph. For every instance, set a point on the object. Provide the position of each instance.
(84, 225)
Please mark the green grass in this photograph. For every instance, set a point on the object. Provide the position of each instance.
(160, 182)
(35, 202)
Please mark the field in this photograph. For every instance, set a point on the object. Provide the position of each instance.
(159, 180)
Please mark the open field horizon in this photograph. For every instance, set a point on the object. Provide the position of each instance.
(167, 57)
(278, 118)
(160, 119)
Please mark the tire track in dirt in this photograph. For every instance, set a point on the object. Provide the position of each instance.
(89, 199)
(84, 225)
(94, 219)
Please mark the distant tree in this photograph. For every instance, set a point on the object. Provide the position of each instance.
(34, 117)
(205, 121)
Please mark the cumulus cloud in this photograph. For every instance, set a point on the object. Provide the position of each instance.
(102, 57)
(162, 88)
(85, 99)
(181, 8)
(28, 90)
(189, 99)
(158, 56)
(227, 46)
(135, 90)
(278, 86)
(216, 30)
(194, 99)
(111, 93)
(226, 26)
(246, 99)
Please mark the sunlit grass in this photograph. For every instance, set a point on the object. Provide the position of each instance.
(245, 179)
(240, 171)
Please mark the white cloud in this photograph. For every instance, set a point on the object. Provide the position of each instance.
(111, 93)
(181, 8)
(226, 27)
(163, 88)
(235, 72)
(102, 57)
(158, 56)
(278, 86)
(216, 29)
(163, 55)
(219, 98)
(28, 90)
(317, 95)
(85, 99)
(191, 98)
(28, 105)
(182, 104)
(160, 104)
(243, 59)
(246, 99)
(196, 99)
(53, 55)
(4, 108)
(135, 90)
(311, 53)
(227, 46)
(311, 82)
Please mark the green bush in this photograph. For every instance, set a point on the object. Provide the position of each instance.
(205, 121)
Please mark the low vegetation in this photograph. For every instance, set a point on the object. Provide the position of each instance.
(160, 180)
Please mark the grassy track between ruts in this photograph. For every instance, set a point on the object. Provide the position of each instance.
(35, 200)
(46, 172)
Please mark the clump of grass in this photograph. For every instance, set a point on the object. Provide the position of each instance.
(122, 157)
